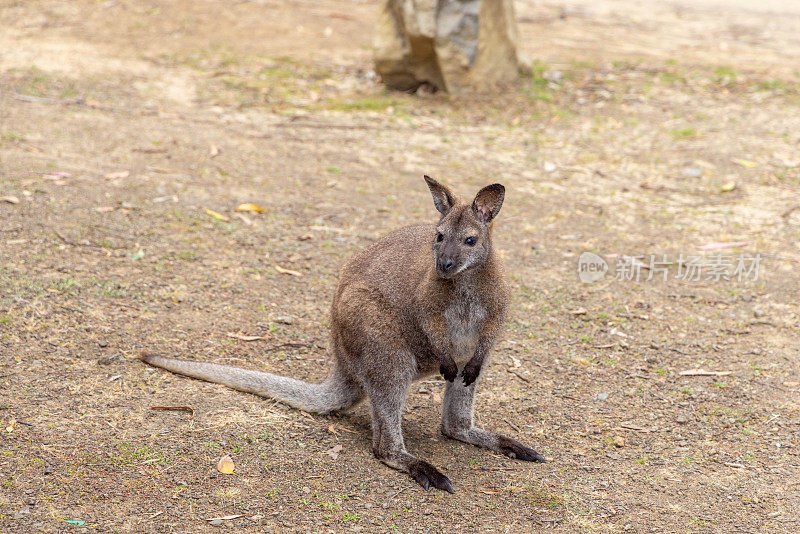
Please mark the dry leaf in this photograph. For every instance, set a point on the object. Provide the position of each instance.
(287, 271)
(56, 175)
(217, 215)
(727, 188)
(332, 429)
(213, 150)
(104, 209)
(10, 199)
(225, 517)
(578, 311)
(248, 207)
(714, 246)
(305, 237)
(334, 452)
(117, 175)
(744, 162)
(619, 441)
(245, 338)
(225, 465)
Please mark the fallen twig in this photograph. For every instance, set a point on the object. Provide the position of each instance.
(243, 337)
(518, 375)
(175, 408)
(703, 372)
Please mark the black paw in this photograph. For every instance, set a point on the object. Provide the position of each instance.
(449, 370)
(514, 449)
(426, 476)
(470, 373)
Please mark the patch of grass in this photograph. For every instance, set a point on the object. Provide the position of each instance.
(10, 136)
(370, 103)
(538, 88)
(351, 517)
(329, 505)
(684, 133)
(671, 78)
(66, 285)
(772, 85)
(109, 289)
(724, 72)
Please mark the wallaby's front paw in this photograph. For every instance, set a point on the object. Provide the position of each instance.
(426, 476)
(514, 449)
(449, 370)
(470, 372)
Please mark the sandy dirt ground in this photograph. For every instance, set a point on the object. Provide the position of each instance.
(131, 130)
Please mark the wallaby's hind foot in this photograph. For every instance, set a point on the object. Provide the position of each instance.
(426, 476)
(421, 471)
(514, 449)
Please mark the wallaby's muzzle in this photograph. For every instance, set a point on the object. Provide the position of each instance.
(445, 267)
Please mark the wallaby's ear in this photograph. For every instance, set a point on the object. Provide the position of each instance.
(488, 202)
(442, 197)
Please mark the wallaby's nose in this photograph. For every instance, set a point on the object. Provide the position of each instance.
(445, 265)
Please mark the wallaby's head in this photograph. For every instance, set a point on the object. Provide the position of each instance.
(463, 239)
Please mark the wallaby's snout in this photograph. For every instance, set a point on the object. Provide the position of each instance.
(444, 266)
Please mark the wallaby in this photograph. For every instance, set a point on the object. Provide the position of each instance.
(421, 299)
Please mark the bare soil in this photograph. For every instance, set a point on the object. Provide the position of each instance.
(129, 132)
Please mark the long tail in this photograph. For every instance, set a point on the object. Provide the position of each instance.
(336, 392)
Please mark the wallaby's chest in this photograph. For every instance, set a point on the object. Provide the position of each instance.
(464, 317)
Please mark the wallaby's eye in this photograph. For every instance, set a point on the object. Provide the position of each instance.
(439, 236)
(470, 241)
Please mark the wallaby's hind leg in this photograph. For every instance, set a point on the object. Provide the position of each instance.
(388, 396)
(457, 423)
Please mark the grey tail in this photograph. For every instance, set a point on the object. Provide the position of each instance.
(337, 392)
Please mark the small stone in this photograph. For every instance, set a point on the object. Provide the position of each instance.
(619, 441)
(682, 419)
(602, 397)
(216, 522)
(691, 172)
(284, 319)
(102, 343)
(759, 313)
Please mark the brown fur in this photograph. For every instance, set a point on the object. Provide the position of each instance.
(420, 300)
